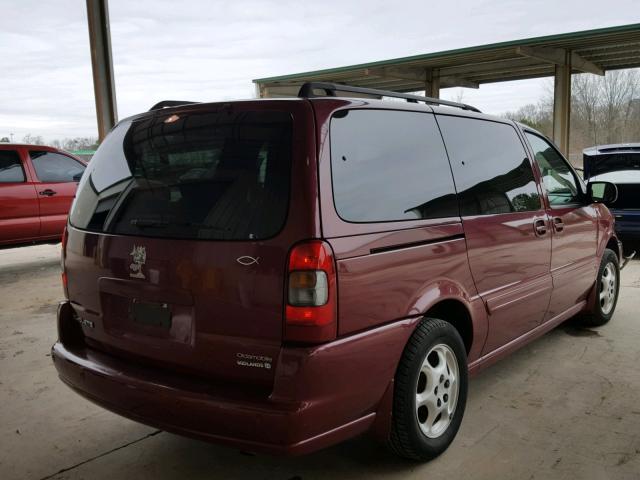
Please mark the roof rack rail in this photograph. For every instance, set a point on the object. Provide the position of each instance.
(330, 89)
(170, 103)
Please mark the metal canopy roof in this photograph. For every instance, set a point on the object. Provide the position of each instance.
(593, 51)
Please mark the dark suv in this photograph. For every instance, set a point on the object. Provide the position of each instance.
(281, 275)
(618, 164)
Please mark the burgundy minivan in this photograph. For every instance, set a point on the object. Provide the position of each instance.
(281, 275)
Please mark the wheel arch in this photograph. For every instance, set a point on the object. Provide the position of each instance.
(614, 244)
(451, 302)
(455, 312)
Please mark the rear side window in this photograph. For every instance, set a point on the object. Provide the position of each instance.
(220, 176)
(490, 165)
(10, 167)
(389, 165)
(54, 167)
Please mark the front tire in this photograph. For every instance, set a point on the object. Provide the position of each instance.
(430, 392)
(606, 292)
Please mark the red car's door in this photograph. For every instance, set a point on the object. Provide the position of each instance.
(574, 261)
(505, 224)
(58, 177)
(19, 215)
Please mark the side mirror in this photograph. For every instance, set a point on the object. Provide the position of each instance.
(78, 176)
(602, 192)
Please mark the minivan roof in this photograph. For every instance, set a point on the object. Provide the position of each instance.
(354, 100)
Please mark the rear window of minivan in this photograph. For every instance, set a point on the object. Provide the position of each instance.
(214, 176)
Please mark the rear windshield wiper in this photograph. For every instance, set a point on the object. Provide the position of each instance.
(150, 223)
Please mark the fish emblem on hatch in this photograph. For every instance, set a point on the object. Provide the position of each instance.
(246, 260)
(139, 258)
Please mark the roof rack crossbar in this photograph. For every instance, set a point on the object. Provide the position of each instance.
(170, 103)
(330, 89)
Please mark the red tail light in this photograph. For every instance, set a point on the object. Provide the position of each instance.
(311, 310)
(63, 253)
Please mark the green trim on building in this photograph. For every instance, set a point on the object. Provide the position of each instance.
(584, 34)
(82, 152)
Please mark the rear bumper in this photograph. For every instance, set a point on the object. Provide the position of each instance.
(190, 411)
(321, 396)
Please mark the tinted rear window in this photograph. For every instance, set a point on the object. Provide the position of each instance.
(222, 176)
(389, 165)
(10, 167)
(490, 165)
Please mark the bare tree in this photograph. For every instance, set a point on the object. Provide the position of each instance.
(77, 143)
(585, 104)
(33, 139)
(617, 90)
(458, 96)
(538, 116)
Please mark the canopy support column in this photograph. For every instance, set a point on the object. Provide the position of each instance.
(432, 83)
(102, 65)
(562, 104)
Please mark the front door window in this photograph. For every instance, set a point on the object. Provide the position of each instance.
(558, 178)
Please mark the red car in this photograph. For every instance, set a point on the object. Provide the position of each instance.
(281, 275)
(37, 186)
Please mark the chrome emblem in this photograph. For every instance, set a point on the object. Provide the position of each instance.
(246, 260)
(255, 361)
(85, 323)
(139, 258)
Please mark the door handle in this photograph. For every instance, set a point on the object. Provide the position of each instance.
(540, 227)
(48, 192)
(558, 224)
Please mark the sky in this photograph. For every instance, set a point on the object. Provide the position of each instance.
(212, 50)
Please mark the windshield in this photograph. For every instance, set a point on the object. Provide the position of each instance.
(220, 175)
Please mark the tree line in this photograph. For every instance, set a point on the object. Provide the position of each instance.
(603, 110)
(69, 144)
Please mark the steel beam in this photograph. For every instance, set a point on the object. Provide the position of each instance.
(102, 65)
(454, 81)
(557, 56)
(401, 73)
(562, 104)
(420, 75)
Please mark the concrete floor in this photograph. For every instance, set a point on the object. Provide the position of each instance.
(566, 406)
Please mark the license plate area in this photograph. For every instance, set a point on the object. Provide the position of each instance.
(150, 314)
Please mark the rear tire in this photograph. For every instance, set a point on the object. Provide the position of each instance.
(430, 391)
(607, 288)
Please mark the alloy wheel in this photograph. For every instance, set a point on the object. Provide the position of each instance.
(608, 288)
(437, 391)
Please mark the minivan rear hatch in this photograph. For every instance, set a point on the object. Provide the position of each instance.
(179, 235)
